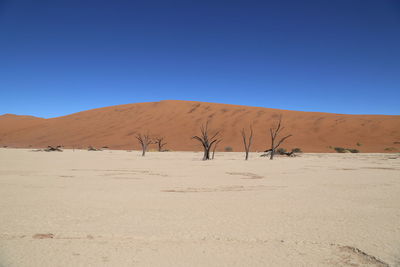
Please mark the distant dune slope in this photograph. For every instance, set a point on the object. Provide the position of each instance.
(178, 121)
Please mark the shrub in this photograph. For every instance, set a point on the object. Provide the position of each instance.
(390, 149)
(340, 149)
(297, 150)
(359, 144)
(228, 149)
(281, 151)
(346, 150)
(352, 150)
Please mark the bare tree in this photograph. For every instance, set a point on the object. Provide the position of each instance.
(275, 131)
(215, 147)
(247, 143)
(205, 141)
(160, 143)
(51, 149)
(144, 141)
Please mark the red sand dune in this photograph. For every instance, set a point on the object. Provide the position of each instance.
(178, 121)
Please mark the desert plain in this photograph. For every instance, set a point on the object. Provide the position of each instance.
(116, 208)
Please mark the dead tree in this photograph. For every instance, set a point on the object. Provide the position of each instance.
(206, 141)
(51, 149)
(275, 131)
(92, 148)
(159, 141)
(215, 147)
(247, 143)
(144, 141)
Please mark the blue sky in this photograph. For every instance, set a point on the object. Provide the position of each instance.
(59, 57)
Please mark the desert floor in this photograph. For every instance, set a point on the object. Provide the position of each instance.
(115, 208)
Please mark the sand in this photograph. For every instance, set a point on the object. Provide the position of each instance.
(116, 127)
(115, 208)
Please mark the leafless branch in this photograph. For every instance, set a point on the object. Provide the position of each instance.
(247, 143)
(215, 147)
(205, 141)
(274, 132)
(160, 142)
(145, 141)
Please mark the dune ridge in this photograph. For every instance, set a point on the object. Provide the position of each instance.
(116, 126)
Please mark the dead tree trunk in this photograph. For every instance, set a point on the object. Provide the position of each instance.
(159, 141)
(215, 147)
(205, 141)
(275, 131)
(247, 143)
(144, 141)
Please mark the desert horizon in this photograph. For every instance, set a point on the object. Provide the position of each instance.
(177, 121)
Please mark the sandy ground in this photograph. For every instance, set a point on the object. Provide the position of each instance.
(115, 208)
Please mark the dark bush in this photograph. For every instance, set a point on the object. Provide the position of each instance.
(346, 150)
(228, 149)
(297, 150)
(281, 151)
(340, 149)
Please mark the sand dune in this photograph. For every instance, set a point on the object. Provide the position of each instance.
(116, 126)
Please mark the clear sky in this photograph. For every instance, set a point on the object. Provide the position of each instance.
(63, 56)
